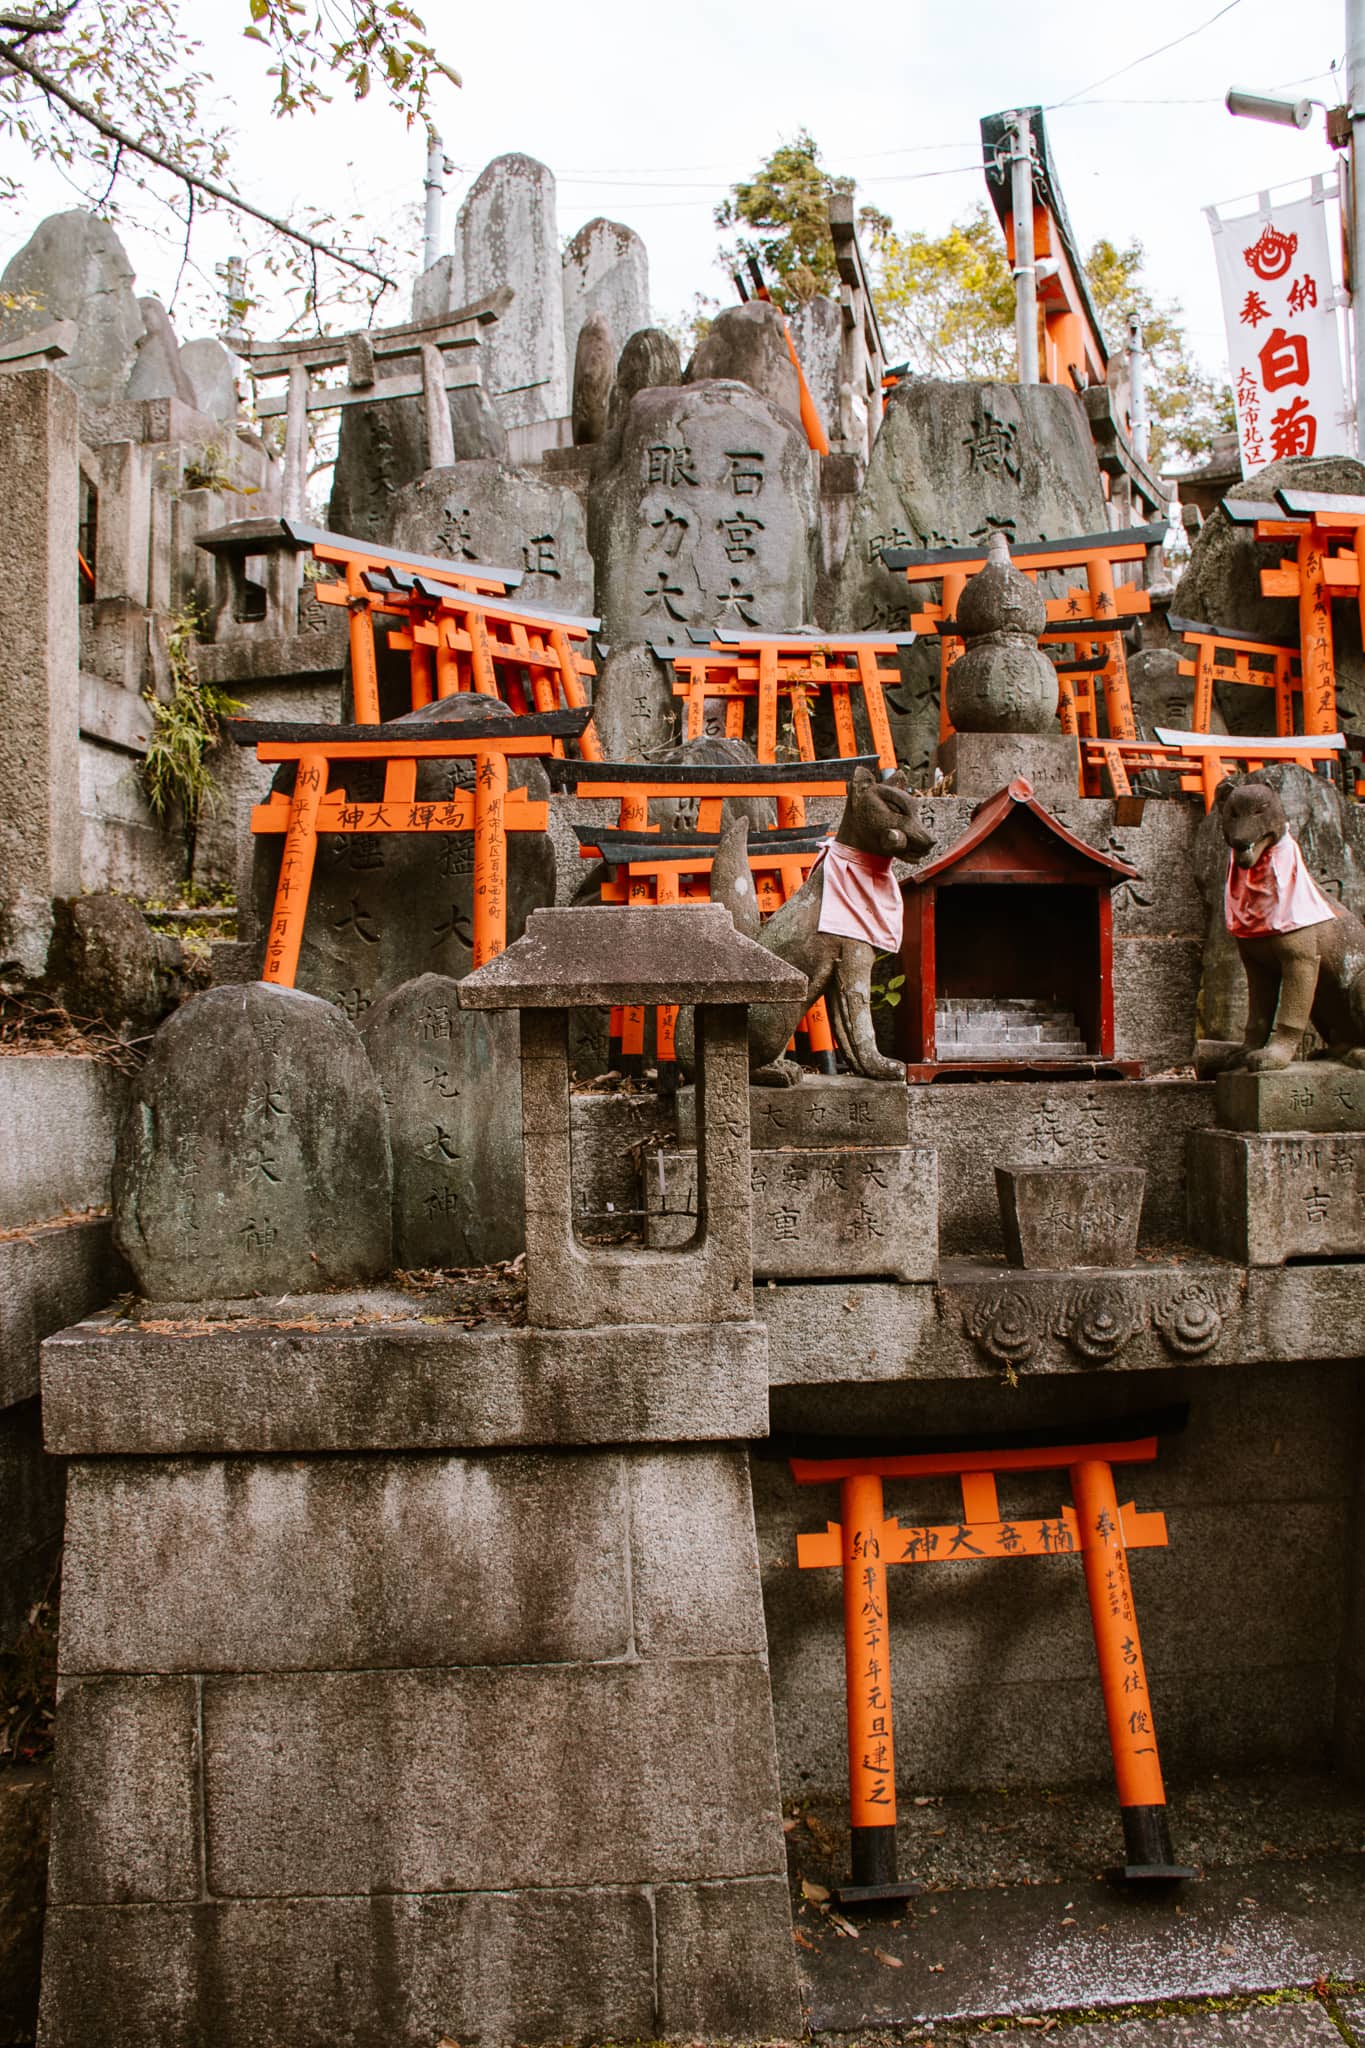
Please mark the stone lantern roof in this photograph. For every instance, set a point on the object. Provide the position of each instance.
(599, 956)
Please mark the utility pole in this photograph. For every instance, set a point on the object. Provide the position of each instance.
(1353, 193)
(435, 189)
(1138, 421)
(1025, 276)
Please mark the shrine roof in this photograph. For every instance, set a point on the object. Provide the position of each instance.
(598, 956)
(996, 811)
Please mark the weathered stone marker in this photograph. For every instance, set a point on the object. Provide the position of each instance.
(451, 1079)
(254, 1155)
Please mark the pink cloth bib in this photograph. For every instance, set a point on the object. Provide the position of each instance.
(862, 899)
(1276, 895)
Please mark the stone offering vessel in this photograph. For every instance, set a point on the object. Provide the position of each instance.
(1003, 682)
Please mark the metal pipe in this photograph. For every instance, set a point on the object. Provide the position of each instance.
(435, 189)
(1025, 278)
(1352, 170)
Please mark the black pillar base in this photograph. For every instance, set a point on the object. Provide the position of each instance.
(874, 1881)
(1147, 1853)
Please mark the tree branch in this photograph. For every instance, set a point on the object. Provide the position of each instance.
(11, 56)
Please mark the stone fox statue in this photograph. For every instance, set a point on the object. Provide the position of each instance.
(850, 891)
(1304, 955)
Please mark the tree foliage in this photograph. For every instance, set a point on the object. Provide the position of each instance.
(786, 204)
(111, 91)
(946, 302)
(1187, 406)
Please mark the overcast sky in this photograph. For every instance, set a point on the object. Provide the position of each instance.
(646, 114)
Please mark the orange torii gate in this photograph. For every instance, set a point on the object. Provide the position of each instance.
(649, 869)
(1201, 760)
(1315, 521)
(1086, 617)
(763, 668)
(462, 640)
(635, 785)
(357, 557)
(490, 810)
(1223, 656)
(864, 1541)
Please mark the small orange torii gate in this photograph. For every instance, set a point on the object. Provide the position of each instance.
(1201, 760)
(1223, 656)
(1316, 522)
(635, 786)
(1090, 620)
(865, 1541)
(355, 558)
(490, 810)
(460, 640)
(764, 668)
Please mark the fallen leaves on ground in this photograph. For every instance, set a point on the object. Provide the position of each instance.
(816, 1893)
(892, 1962)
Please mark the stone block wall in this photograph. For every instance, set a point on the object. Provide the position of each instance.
(412, 1746)
(1250, 1648)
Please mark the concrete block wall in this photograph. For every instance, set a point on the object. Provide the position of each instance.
(1246, 1617)
(412, 1746)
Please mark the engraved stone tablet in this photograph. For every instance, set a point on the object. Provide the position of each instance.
(818, 1213)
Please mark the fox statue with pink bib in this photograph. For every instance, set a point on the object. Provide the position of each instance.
(846, 912)
(1304, 954)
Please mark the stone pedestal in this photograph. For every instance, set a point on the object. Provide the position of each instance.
(1263, 1197)
(1059, 1217)
(1316, 1095)
(829, 1212)
(370, 1733)
(983, 762)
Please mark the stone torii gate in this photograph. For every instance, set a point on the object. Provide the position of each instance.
(447, 353)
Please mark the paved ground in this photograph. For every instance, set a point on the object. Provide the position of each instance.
(1019, 1935)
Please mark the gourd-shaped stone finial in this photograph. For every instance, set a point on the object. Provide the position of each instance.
(1003, 682)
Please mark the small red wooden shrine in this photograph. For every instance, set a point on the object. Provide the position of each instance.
(1017, 912)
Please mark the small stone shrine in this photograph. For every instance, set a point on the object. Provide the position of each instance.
(1008, 948)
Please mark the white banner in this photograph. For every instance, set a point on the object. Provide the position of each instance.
(1279, 304)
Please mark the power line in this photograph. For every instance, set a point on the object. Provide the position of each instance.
(1124, 69)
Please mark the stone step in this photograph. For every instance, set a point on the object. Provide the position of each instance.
(1012, 1049)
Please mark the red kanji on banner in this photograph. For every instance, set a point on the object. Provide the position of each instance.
(1303, 292)
(1254, 310)
(1284, 360)
(1271, 256)
(1293, 430)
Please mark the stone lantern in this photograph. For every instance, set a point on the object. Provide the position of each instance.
(1002, 691)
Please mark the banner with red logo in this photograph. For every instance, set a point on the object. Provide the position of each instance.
(1284, 353)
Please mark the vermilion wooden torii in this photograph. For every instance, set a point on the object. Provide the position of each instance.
(649, 869)
(1248, 659)
(708, 787)
(530, 659)
(1109, 604)
(490, 810)
(1315, 521)
(355, 558)
(1202, 760)
(763, 668)
(865, 1541)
